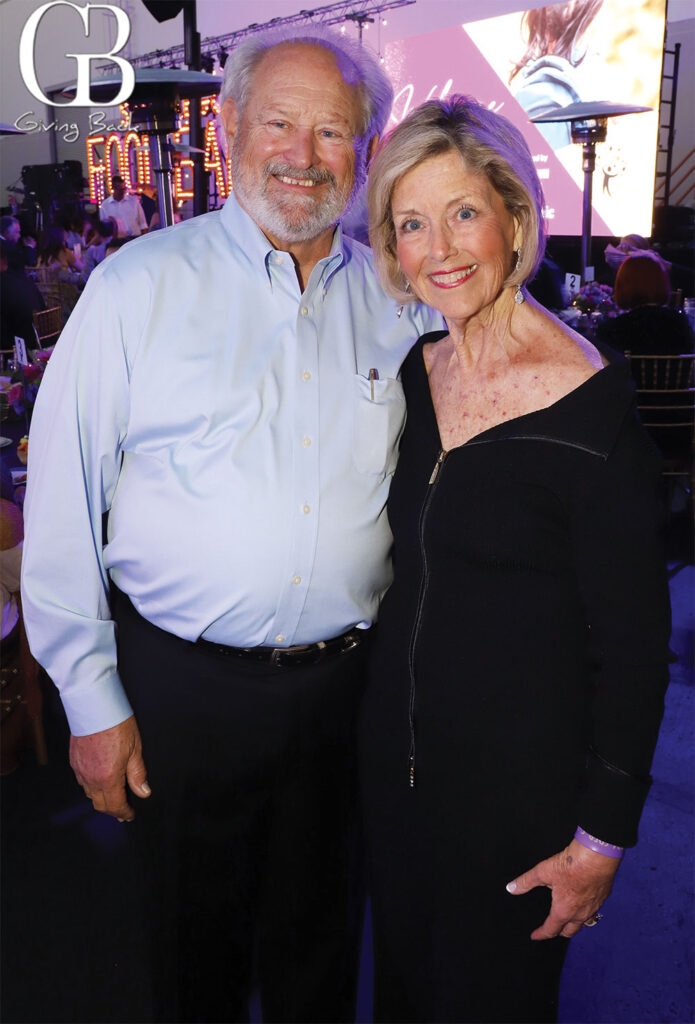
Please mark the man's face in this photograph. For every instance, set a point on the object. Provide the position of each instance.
(13, 232)
(294, 166)
(118, 190)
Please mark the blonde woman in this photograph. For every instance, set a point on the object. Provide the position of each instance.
(517, 682)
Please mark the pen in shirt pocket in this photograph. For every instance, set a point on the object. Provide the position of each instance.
(373, 375)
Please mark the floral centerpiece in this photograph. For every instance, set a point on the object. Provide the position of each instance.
(596, 298)
(24, 384)
(592, 304)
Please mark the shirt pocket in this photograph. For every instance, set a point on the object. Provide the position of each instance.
(377, 424)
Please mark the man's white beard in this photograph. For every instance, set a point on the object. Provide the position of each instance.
(296, 218)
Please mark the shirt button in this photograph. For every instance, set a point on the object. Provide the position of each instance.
(277, 258)
(296, 579)
(279, 639)
(304, 311)
(306, 375)
(306, 441)
(306, 509)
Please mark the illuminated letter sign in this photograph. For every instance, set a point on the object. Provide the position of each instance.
(82, 94)
(119, 150)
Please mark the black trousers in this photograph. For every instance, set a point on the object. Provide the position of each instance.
(249, 842)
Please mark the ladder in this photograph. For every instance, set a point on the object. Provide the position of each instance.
(667, 122)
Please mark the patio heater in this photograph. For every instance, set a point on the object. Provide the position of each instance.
(588, 126)
(154, 105)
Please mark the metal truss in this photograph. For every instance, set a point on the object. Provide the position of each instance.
(360, 12)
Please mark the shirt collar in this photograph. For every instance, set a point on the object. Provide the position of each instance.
(258, 251)
(338, 255)
(245, 233)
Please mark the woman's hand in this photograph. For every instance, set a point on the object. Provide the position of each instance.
(71, 261)
(580, 880)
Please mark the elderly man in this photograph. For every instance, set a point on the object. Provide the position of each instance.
(226, 396)
(125, 208)
(10, 229)
(21, 253)
(19, 299)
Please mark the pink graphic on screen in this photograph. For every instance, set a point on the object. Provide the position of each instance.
(440, 63)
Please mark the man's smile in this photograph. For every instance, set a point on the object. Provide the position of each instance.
(302, 182)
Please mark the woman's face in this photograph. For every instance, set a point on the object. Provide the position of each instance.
(455, 240)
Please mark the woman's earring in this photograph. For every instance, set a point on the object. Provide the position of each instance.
(518, 294)
(407, 286)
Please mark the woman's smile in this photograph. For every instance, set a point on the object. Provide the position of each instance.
(453, 278)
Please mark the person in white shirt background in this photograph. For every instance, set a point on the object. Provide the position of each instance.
(125, 208)
(226, 399)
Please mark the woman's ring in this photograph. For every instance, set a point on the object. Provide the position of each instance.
(593, 920)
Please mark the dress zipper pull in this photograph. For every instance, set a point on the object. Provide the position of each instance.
(440, 459)
(411, 771)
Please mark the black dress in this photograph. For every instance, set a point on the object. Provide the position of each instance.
(518, 675)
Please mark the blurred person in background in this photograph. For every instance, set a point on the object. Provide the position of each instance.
(125, 207)
(20, 251)
(56, 257)
(19, 299)
(647, 326)
(101, 232)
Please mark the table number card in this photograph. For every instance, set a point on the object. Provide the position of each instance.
(573, 283)
(20, 352)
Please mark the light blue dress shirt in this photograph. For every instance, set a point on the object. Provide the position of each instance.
(225, 420)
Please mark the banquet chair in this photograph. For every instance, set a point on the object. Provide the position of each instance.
(21, 698)
(56, 292)
(68, 295)
(665, 391)
(665, 386)
(48, 323)
(48, 285)
(21, 702)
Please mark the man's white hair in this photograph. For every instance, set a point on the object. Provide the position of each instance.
(357, 65)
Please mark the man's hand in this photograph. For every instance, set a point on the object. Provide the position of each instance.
(580, 881)
(104, 761)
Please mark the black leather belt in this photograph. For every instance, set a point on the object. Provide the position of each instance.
(302, 654)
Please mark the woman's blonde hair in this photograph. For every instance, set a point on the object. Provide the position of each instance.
(489, 144)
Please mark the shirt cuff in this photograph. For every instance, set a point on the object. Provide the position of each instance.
(100, 707)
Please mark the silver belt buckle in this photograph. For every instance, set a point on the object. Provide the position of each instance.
(352, 640)
(285, 655)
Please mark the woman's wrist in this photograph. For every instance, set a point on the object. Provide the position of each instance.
(598, 845)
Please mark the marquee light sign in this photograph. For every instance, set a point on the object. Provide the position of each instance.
(128, 154)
